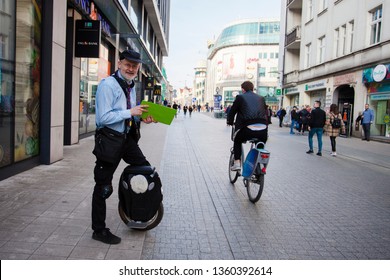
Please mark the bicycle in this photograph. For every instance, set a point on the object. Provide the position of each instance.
(254, 168)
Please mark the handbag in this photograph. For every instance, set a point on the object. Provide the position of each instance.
(108, 144)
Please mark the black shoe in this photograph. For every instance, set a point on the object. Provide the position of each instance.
(309, 152)
(364, 139)
(106, 236)
(319, 154)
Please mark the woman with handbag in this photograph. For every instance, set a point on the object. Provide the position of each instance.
(333, 124)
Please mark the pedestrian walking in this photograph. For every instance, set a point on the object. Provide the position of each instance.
(333, 124)
(316, 126)
(190, 109)
(281, 114)
(175, 106)
(294, 119)
(185, 108)
(367, 120)
(304, 116)
(116, 130)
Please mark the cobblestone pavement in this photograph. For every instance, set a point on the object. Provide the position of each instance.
(311, 208)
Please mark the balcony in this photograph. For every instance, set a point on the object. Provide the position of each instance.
(294, 4)
(291, 78)
(293, 38)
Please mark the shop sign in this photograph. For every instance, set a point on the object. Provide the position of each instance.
(88, 8)
(291, 90)
(87, 37)
(315, 85)
(373, 88)
(149, 83)
(380, 97)
(386, 119)
(377, 74)
(157, 90)
(344, 79)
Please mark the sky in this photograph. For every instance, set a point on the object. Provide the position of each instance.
(194, 22)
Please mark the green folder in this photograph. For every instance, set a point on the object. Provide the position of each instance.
(159, 113)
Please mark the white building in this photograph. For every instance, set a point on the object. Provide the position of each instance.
(338, 52)
(245, 50)
(200, 83)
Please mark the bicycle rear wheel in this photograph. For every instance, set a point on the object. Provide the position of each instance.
(233, 175)
(254, 187)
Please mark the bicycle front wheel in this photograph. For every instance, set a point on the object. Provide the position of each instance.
(233, 175)
(254, 187)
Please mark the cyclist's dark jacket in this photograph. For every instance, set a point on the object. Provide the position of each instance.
(250, 109)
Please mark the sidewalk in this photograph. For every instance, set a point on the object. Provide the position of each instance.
(45, 212)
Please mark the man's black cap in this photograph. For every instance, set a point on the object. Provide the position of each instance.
(130, 55)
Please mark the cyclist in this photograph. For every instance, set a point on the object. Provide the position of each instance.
(251, 120)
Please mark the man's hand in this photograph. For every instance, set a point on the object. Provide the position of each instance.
(149, 119)
(138, 110)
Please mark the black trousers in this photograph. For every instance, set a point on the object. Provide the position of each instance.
(245, 134)
(103, 174)
(333, 143)
(280, 121)
(366, 128)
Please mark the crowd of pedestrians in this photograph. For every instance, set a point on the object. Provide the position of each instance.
(318, 122)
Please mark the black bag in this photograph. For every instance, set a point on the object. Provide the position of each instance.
(108, 144)
(336, 123)
(135, 132)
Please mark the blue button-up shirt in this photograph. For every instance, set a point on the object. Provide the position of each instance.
(368, 116)
(111, 104)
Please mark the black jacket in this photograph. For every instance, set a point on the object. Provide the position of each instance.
(318, 118)
(250, 108)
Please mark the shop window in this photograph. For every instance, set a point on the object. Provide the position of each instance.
(92, 71)
(27, 79)
(7, 76)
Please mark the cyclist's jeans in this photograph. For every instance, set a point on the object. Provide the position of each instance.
(319, 132)
(245, 134)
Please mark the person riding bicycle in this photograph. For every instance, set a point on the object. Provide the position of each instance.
(251, 120)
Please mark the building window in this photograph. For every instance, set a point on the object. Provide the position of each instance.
(376, 24)
(323, 5)
(262, 72)
(337, 42)
(344, 39)
(273, 72)
(307, 55)
(351, 30)
(263, 55)
(309, 10)
(3, 46)
(321, 49)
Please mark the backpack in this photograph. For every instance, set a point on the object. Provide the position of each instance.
(336, 122)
